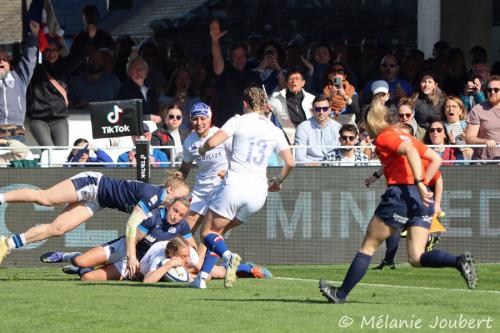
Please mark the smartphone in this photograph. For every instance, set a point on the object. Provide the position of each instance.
(337, 82)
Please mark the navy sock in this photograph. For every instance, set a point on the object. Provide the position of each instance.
(208, 264)
(438, 258)
(215, 243)
(392, 244)
(83, 271)
(357, 270)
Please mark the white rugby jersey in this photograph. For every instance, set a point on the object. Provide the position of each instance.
(255, 138)
(156, 253)
(209, 165)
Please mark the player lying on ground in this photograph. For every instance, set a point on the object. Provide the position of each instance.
(85, 194)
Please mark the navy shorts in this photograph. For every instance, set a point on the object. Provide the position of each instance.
(401, 206)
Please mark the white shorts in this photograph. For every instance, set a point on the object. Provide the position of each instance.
(199, 204)
(87, 185)
(121, 267)
(231, 200)
(115, 250)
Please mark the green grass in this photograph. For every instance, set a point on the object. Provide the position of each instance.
(45, 300)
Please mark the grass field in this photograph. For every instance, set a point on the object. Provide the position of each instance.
(46, 300)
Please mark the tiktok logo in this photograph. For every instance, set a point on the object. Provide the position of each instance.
(114, 116)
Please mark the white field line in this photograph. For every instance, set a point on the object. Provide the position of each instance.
(396, 286)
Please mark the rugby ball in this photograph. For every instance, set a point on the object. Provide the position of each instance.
(176, 274)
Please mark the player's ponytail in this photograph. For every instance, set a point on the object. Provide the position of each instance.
(175, 181)
(256, 99)
(377, 117)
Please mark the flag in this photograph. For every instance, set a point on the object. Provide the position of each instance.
(42, 12)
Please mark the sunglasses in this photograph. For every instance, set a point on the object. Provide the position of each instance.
(435, 129)
(171, 116)
(347, 138)
(319, 109)
(490, 90)
(388, 65)
(404, 115)
(338, 71)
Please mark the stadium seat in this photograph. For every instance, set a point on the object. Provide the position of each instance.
(54, 157)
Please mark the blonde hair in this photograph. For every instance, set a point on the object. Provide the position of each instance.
(377, 117)
(175, 181)
(460, 105)
(256, 99)
(183, 200)
(175, 244)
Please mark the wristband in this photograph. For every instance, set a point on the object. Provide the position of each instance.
(418, 181)
(376, 175)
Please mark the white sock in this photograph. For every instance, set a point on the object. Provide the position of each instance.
(204, 275)
(227, 255)
(2, 199)
(11, 243)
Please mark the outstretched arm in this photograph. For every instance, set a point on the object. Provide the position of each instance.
(130, 239)
(216, 35)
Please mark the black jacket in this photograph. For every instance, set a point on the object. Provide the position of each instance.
(45, 102)
(130, 90)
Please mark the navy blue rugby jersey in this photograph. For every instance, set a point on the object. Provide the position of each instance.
(124, 195)
(158, 229)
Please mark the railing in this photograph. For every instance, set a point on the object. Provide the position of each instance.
(49, 152)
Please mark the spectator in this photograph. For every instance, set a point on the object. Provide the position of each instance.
(48, 96)
(473, 92)
(455, 124)
(123, 49)
(380, 96)
(87, 154)
(370, 59)
(398, 88)
(231, 79)
(453, 73)
(272, 58)
(94, 84)
(349, 136)
(180, 91)
(321, 58)
(135, 87)
(92, 37)
(157, 158)
(320, 133)
(481, 71)
(169, 132)
(292, 105)
(17, 151)
(436, 135)
(410, 71)
(295, 59)
(406, 115)
(343, 96)
(155, 79)
(478, 54)
(428, 101)
(483, 123)
(13, 85)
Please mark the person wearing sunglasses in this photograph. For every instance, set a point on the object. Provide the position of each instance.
(317, 135)
(483, 123)
(170, 133)
(437, 135)
(347, 156)
(343, 95)
(406, 114)
(407, 202)
(389, 72)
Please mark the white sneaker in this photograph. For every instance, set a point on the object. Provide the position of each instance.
(198, 283)
(231, 266)
(4, 248)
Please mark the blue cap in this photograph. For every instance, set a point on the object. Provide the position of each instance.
(200, 109)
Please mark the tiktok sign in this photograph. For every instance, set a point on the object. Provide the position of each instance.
(116, 118)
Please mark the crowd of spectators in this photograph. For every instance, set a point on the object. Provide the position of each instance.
(320, 92)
